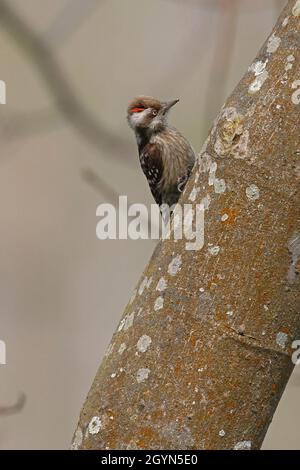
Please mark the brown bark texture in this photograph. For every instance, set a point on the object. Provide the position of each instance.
(203, 351)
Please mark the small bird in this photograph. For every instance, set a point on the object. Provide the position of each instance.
(166, 157)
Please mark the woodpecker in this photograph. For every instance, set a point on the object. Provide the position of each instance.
(166, 157)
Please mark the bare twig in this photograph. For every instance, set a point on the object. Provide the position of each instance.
(65, 96)
(17, 125)
(15, 408)
(100, 185)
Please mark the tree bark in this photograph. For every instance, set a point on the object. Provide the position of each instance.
(203, 351)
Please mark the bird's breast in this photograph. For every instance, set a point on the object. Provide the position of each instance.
(177, 156)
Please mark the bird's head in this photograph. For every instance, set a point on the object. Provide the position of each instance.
(146, 113)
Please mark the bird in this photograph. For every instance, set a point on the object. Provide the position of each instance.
(166, 157)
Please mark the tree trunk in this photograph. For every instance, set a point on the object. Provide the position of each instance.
(203, 351)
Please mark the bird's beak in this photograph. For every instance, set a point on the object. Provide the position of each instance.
(168, 105)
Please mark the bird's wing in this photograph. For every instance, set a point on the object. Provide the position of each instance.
(152, 166)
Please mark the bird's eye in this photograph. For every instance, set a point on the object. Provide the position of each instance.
(154, 112)
(138, 109)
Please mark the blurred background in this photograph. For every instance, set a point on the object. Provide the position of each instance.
(70, 68)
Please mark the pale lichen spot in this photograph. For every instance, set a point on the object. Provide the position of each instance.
(219, 186)
(273, 43)
(95, 425)
(252, 192)
(224, 217)
(256, 85)
(161, 285)
(258, 67)
(285, 22)
(140, 311)
(296, 94)
(77, 441)
(296, 8)
(126, 322)
(121, 325)
(243, 445)
(289, 63)
(204, 162)
(175, 265)
(214, 250)
(159, 303)
(109, 350)
(144, 343)
(143, 284)
(142, 375)
(281, 339)
(122, 348)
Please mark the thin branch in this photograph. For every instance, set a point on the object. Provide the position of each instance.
(15, 408)
(64, 95)
(100, 185)
(20, 125)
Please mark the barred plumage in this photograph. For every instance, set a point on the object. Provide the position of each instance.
(166, 157)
